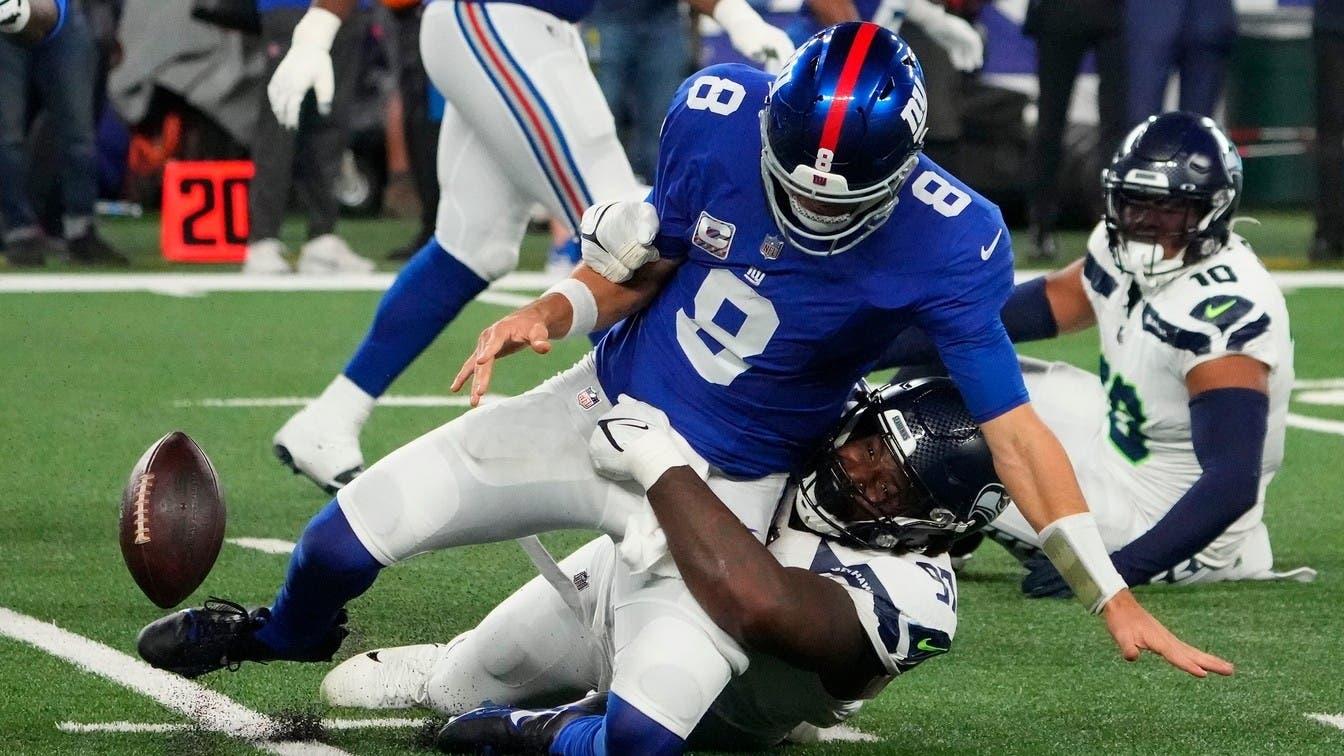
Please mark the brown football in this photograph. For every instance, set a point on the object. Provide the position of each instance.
(172, 519)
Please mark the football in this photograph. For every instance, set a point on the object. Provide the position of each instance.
(172, 519)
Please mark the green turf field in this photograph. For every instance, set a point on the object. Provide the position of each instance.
(91, 379)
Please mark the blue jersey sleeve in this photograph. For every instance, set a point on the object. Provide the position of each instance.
(964, 321)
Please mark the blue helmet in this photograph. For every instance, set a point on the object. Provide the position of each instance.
(842, 127)
(1173, 185)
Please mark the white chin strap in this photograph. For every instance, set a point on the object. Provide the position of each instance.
(816, 221)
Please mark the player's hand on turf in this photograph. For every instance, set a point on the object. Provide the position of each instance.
(306, 66)
(634, 441)
(617, 238)
(524, 328)
(965, 49)
(1135, 631)
(1043, 579)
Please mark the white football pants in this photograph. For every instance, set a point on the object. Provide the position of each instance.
(520, 466)
(1071, 402)
(526, 123)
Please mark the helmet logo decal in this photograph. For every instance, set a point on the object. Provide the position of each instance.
(916, 111)
(844, 89)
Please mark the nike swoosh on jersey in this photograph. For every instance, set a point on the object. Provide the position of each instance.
(924, 644)
(985, 252)
(1211, 312)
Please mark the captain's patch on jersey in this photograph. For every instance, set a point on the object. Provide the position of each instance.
(713, 235)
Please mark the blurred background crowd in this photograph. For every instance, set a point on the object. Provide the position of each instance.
(89, 120)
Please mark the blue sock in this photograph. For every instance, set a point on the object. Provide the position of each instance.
(328, 568)
(623, 730)
(429, 292)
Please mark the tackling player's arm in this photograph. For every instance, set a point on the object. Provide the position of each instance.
(765, 45)
(829, 12)
(29, 22)
(796, 615)
(583, 303)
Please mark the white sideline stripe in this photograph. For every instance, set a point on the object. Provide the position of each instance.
(150, 727)
(447, 400)
(195, 284)
(1332, 720)
(264, 545)
(1318, 383)
(214, 711)
(1316, 424)
(1329, 397)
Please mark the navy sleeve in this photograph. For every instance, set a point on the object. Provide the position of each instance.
(963, 323)
(1228, 427)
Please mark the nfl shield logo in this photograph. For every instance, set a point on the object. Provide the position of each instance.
(771, 247)
(588, 398)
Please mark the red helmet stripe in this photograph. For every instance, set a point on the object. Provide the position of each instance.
(844, 90)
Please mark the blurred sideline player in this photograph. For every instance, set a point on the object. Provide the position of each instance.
(955, 35)
(750, 387)
(1176, 444)
(854, 589)
(525, 124)
(31, 22)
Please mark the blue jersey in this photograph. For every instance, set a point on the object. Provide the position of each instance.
(753, 346)
(569, 10)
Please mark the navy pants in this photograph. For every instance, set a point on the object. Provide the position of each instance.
(1192, 37)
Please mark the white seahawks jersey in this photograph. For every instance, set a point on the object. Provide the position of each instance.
(907, 604)
(1226, 304)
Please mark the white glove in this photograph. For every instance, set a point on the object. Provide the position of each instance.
(765, 45)
(14, 15)
(617, 238)
(954, 34)
(306, 66)
(635, 441)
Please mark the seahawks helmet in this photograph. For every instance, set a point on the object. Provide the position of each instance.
(1175, 182)
(943, 486)
(843, 125)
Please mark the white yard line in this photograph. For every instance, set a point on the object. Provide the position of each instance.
(195, 284)
(1318, 383)
(328, 724)
(213, 711)
(264, 545)
(249, 402)
(1315, 424)
(1328, 397)
(1331, 720)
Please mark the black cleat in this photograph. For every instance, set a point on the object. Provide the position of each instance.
(31, 252)
(504, 729)
(92, 249)
(220, 634)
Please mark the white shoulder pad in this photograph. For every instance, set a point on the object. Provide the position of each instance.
(1227, 304)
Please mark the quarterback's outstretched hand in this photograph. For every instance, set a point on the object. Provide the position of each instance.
(1135, 630)
(634, 441)
(306, 66)
(525, 328)
(617, 238)
(954, 34)
(766, 45)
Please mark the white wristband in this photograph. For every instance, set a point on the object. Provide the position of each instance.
(1074, 545)
(19, 19)
(584, 305)
(317, 28)
(656, 454)
(734, 14)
